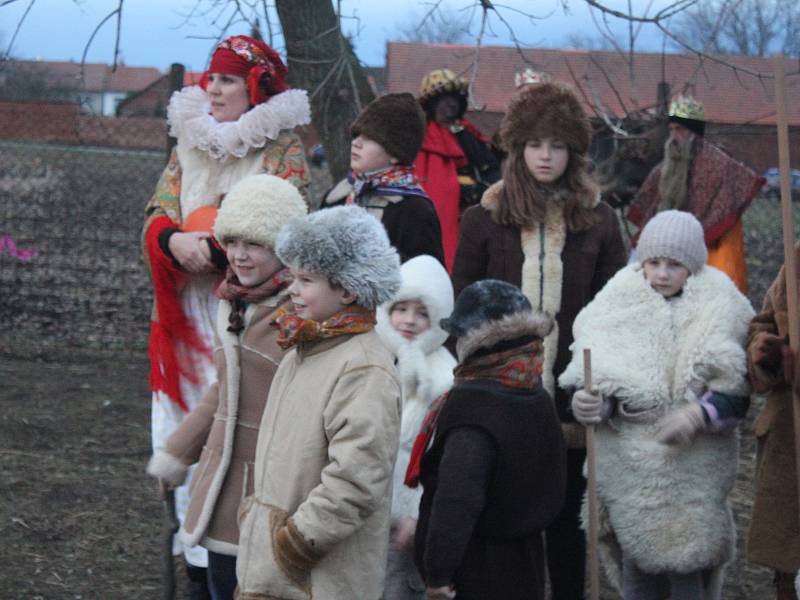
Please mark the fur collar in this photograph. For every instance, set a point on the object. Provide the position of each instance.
(189, 120)
(510, 327)
(650, 351)
(491, 197)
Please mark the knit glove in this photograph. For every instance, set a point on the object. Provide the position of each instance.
(679, 427)
(765, 350)
(587, 408)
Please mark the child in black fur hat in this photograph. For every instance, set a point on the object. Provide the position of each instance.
(386, 138)
(494, 474)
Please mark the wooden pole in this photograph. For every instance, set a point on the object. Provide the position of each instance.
(789, 267)
(591, 487)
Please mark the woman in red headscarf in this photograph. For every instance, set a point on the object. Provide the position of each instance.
(237, 122)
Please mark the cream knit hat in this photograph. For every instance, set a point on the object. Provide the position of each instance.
(256, 208)
(673, 234)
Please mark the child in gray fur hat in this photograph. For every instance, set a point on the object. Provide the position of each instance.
(387, 136)
(318, 520)
(670, 385)
(493, 468)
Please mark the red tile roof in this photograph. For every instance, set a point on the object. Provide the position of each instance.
(97, 77)
(728, 96)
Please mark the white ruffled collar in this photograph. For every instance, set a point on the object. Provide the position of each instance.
(189, 120)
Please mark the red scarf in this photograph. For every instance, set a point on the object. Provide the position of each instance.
(172, 326)
(437, 163)
(295, 330)
(239, 296)
(519, 367)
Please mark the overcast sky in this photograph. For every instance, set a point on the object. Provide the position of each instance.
(157, 32)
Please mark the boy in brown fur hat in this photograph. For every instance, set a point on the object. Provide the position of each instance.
(386, 138)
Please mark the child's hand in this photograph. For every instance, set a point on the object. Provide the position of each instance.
(404, 534)
(446, 592)
(679, 427)
(587, 407)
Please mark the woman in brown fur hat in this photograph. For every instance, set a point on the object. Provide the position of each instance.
(544, 229)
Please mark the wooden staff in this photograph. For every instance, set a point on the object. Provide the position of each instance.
(788, 240)
(591, 487)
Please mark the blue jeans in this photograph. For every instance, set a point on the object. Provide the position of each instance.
(221, 576)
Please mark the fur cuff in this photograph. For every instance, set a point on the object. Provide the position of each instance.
(167, 467)
(510, 327)
(294, 555)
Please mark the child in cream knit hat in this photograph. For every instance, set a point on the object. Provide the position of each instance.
(670, 385)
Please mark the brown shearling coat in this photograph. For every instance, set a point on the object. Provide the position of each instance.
(588, 260)
(225, 449)
(774, 537)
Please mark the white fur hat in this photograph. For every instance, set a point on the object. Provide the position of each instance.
(346, 245)
(426, 280)
(256, 208)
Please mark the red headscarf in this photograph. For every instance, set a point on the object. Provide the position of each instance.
(252, 59)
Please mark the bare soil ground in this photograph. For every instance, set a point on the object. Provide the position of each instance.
(79, 519)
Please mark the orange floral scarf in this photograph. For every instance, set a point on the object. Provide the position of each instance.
(295, 330)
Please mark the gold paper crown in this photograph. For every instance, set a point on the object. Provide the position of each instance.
(530, 77)
(441, 81)
(686, 107)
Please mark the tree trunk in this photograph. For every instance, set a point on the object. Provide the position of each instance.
(321, 60)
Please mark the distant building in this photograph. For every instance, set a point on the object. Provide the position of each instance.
(739, 107)
(96, 88)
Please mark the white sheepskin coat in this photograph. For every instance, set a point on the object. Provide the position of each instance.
(666, 506)
(425, 366)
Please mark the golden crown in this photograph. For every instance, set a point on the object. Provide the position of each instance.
(686, 107)
(441, 81)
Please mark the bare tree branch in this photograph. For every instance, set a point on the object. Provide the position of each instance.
(19, 25)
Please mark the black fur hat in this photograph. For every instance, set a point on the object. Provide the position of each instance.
(491, 311)
(396, 122)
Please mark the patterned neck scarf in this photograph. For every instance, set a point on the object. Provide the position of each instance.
(518, 367)
(240, 296)
(295, 330)
(391, 181)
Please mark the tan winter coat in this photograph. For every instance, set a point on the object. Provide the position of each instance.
(774, 537)
(317, 524)
(221, 433)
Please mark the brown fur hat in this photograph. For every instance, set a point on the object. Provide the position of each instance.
(396, 122)
(546, 110)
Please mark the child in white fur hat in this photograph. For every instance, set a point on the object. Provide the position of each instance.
(670, 384)
(409, 326)
(317, 522)
(219, 435)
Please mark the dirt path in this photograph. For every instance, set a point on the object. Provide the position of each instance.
(78, 516)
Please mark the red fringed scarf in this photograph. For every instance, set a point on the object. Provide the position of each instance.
(520, 367)
(294, 330)
(172, 326)
(436, 166)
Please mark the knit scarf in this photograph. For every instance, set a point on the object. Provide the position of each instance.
(392, 181)
(295, 330)
(240, 296)
(518, 367)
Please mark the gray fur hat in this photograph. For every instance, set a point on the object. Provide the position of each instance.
(490, 311)
(256, 208)
(346, 245)
(674, 234)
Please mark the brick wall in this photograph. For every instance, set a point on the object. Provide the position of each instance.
(62, 123)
